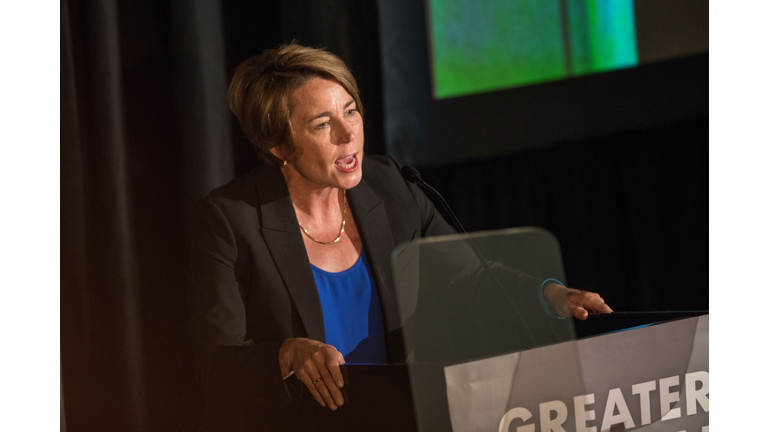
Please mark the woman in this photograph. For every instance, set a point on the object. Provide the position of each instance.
(272, 249)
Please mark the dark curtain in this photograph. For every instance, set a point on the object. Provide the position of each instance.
(630, 210)
(145, 132)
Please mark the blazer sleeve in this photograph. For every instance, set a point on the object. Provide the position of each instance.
(228, 366)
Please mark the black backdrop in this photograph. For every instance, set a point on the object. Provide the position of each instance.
(145, 132)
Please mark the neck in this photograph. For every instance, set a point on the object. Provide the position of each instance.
(310, 198)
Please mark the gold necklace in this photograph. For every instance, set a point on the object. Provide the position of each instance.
(343, 222)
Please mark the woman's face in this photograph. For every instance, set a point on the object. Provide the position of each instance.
(328, 134)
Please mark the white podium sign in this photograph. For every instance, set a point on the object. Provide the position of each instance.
(647, 379)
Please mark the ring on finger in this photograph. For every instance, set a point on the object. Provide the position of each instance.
(318, 380)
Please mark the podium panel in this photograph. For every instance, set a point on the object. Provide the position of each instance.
(484, 352)
(650, 379)
(466, 298)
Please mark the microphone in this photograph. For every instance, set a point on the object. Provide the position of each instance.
(413, 175)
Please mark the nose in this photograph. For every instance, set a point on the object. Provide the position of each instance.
(345, 133)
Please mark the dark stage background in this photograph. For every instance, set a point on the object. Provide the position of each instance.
(145, 132)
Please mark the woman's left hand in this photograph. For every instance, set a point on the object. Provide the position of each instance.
(576, 303)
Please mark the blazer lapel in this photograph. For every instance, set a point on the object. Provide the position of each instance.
(280, 229)
(373, 225)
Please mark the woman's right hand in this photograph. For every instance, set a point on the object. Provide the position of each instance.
(317, 365)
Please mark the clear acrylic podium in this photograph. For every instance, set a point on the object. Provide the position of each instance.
(470, 297)
(484, 353)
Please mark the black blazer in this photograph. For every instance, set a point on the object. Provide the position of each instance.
(251, 285)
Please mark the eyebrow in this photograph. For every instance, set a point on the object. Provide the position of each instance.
(328, 113)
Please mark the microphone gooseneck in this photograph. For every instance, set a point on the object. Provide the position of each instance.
(412, 175)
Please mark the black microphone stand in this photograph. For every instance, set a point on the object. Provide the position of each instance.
(412, 175)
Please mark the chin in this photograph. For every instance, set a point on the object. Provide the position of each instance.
(352, 181)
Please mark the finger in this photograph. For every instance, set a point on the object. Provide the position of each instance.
(603, 308)
(596, 304)
(330, 362)
(322, 387)
(579, 312)
(318, 386)
(333, 367)
(325, 384)
(307, 380)
(333, 378)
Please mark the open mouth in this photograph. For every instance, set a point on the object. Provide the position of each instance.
(347, 164)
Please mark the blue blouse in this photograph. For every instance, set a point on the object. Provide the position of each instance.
(352, 312)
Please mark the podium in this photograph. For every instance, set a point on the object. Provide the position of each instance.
(484, 352)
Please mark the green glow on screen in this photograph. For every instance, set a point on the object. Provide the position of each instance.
(485, 45)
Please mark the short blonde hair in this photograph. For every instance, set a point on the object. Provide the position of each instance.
(261, 93)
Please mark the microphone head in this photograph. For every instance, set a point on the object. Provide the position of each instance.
(410, 173)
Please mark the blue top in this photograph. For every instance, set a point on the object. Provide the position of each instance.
(352, 312)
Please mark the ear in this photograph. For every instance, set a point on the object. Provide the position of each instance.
(276, 152)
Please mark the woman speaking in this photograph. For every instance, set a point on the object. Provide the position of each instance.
(290, 268)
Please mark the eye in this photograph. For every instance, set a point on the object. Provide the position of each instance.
(351, 112)
(322, 125)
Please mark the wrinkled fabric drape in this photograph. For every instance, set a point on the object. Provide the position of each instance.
(99, 325)
(144, 133)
